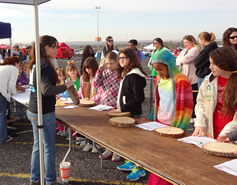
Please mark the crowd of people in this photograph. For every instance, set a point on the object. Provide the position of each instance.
(119, 81)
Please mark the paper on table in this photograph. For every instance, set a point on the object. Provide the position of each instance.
(150, 125)
(101, 107)
(23, 97)
(70, 106)
(198, 141)
(66, 100)
(228, 167)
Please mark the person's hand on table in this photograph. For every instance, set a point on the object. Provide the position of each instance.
(146, 119)
(115, 111)
(223, 138)
(57, 96)
(199, 131)
(69, 84)
(20, 89)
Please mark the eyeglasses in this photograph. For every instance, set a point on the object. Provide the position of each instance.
(155, 42)
(233, 37)
(123, 58)
(110, 41)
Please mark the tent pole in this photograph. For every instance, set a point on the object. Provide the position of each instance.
(10, 47)
(39, 97)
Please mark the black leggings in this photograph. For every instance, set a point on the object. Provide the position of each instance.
(194, 87)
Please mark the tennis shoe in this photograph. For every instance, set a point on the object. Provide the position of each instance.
(94, 149)
(136, 174)
(106, 154)
(87, 148)
(115, 157)
(127, 166)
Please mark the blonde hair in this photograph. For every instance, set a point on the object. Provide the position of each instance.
(22, 72)
(71, 67)
(192, 40)
(210, 37)
(111, 56)
(61, 70)
(25, 64)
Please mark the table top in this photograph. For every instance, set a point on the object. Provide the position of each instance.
(177, 162)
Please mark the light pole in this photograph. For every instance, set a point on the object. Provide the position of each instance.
(98, 38)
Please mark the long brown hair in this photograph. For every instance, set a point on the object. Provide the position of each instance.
(226, 35)
(110, 48)
(10, 61)
(90, 63)
(45, 40)
(133, 63)
(226, 59)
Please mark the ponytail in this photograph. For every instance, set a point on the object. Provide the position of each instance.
(209, 37)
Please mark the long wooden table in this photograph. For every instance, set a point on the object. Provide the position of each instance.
(178, 162)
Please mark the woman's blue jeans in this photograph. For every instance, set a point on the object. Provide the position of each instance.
(200, 80)
(20, 112)
(49, 129)
(3, 119)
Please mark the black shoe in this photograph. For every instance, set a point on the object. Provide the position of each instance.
(12, 133)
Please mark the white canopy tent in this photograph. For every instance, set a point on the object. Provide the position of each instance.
(149, 47)
(35, 3)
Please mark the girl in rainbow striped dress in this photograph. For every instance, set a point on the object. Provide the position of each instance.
(173, 98)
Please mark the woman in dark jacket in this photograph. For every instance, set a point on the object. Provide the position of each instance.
(49, 78)
(201, 62)
(109, 46)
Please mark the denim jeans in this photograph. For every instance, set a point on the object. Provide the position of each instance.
(49, 129)
(20, 112)
(200, 80)
(3, 119)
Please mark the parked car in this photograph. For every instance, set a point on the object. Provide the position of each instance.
(78, 51)
(147, 52)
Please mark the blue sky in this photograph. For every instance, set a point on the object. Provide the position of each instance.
(76, 20)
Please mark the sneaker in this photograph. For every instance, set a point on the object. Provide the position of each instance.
(94, 149)
(87, 148)
(127, 166)
(78, 142)
(9, 138)
(115, 157)
(83, 142)
(59, 133)
(136, 174)
(34, 183)
(106, 154)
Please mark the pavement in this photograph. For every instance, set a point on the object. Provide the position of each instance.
(85, 166)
